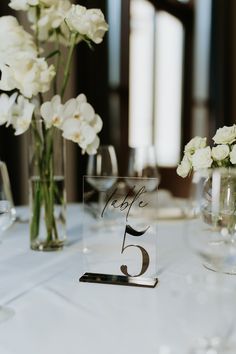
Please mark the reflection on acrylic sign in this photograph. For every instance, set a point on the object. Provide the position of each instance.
(118, 234)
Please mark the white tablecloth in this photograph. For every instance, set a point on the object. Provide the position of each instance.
(57, 314)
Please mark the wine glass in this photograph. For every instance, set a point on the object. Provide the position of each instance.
(7, 217)
(211, 235)
(143, 164)
(101, 171)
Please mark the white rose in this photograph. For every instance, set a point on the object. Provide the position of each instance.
(98, 25)
(195, 144)
(28, 74)
(220, 152)
(225, 135)
(184, 167)
(233, 155)
(202, 158)
(89, 23)
(76, 19)
(16, 40)
(22, 4)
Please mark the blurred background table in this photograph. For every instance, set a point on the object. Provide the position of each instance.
(57, 314)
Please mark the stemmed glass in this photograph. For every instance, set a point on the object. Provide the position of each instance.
(142, 164)
(211, 235)
(102, 165)
(7, 217)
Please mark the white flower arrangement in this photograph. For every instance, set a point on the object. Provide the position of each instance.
(26, 72)
(26, 76)
(198, 156)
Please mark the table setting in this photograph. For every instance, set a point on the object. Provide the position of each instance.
(130, 268)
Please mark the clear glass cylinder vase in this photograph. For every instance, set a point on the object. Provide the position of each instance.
(47, 188)
(211, 228)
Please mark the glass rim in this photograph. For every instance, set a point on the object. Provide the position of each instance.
(217, 170)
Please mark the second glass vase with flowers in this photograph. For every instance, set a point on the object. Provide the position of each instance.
(217, 205)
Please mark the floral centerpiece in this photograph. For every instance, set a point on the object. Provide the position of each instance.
(212, 201)
(198, 156)
(203, 159)
(29, 70)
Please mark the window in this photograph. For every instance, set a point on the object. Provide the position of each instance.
(168, 84)
(156, 61)
(142, 17)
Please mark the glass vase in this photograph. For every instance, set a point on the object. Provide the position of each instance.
(212, 231)
(47, 188)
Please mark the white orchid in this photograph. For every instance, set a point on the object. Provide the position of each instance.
(22, 4)
(28, 74)
(17, 39)
(79, 132)
(51, 19)
(91, 148)
(24, 70)
(38, 99)
(89, 23)
(77, 120)
(84, 111)
(6, 104)
(22, 113)
(48, 2)
(55, 113)
(51, 112)
(97, 123)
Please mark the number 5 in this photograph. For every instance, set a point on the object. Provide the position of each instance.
(145, 257)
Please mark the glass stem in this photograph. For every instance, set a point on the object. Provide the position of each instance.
(101, 202)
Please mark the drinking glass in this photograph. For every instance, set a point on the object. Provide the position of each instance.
(104, 166)
(7, 210)
(143, 164)
(211, 235)
(7, 217)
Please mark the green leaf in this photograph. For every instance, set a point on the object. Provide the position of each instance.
(52, 54)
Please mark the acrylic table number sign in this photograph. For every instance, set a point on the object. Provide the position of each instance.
(119, 233)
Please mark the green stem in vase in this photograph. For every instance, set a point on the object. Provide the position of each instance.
(57, 62)
(68, 64)
(37, 17)
(35, 184)
(48, 186)
(34, 227)
(44, 188)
